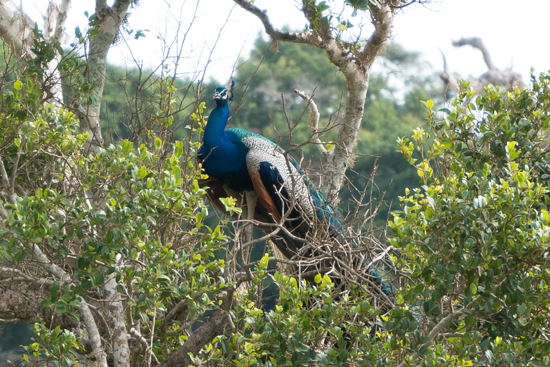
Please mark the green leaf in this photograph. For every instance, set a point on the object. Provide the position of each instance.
(142, 172)
(18, 85)
(179, 149)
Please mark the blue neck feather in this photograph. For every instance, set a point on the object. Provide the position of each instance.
(213, 133)
(223, 151)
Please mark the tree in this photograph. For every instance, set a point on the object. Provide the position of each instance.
(325, 27)
(474, 240)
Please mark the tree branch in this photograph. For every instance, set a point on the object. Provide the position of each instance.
(383, 19)
(23, 303)
(61, 22)
(110, 20)
(314, 121)
(115, 312)
(24, 277)
(100, 5)
(507, 79)
(203, 335)
(444, 322)
(16, 28)
(51, 18)
(143, 342)
(476, 42)
(296, 37)
(84, 310)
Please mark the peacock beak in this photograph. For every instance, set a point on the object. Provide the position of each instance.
(216, 95)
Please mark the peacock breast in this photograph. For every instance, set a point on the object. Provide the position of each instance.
(227, 163)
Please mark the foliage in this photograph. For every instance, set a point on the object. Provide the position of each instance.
(470, 245)
(130, 213)
(53, 347)
(474, 239)
(307, 326)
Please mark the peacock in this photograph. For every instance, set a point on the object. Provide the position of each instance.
(243, 164)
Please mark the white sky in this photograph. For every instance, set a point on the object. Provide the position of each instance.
(515, 32)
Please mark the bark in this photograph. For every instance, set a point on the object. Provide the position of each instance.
(110, 20)
(353, 62)
(115, 312)
(60, 25)
(54, 31)
(16, 29)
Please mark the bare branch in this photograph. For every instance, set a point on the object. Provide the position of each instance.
(476, 42)
(450, 82)
(23, 277)
(314, 121)
(143, 342)
(501, 78)
(21, 301)
(379, 257)
(296, 37)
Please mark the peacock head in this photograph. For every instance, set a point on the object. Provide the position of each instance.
(224, 94)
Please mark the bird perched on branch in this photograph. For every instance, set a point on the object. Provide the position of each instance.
(242, 164)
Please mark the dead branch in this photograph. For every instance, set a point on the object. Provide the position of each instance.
(506, 79)
(314, 121)
(476, 42)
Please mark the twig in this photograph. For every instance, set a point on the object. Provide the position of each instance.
(11, 187)
(379, 257)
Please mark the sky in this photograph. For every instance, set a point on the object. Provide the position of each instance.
(515, 32)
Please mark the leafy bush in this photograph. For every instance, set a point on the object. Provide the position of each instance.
(473, 241)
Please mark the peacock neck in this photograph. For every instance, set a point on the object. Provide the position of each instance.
(213, 133)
